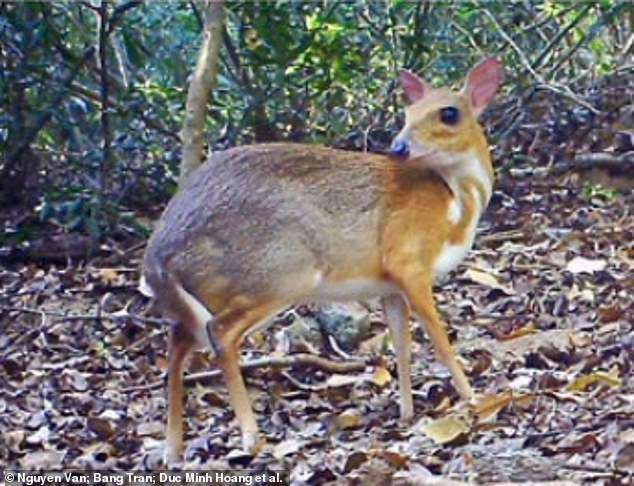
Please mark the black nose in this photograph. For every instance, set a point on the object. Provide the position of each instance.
(400, 148)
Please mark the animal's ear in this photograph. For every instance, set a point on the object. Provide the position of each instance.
(483, 82)
(414, 87)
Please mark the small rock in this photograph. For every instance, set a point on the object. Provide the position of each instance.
(304, 333)
(349, 324)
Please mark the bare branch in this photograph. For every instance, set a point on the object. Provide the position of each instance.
(589, 35)
(512, 43)
(560, 35)
(120, 11)
(564, 91)
(103, 20)
(201, 85)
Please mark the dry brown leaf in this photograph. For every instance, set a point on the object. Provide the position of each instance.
(579, 340)
(381, 376)
(582, 383)
(161, 363)
(443, 405)
(625, 458)
(396, 459)
(521, 346)
(488, 279)
(42, 460)
(109, 275)
(155, 428)
(445, 430)
(102, 428)
(627, 436)
(522, 331)
(489, 406)
(354, 460)
(14, 439)
(350, 419)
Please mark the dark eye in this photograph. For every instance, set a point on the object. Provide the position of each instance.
(449, 115)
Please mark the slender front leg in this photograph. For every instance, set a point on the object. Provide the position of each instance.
(419, 293)
(396, 312)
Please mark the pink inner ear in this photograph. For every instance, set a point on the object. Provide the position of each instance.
(484, 81)
(413, 86)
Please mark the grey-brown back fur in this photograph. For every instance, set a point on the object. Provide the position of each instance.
(254, 219)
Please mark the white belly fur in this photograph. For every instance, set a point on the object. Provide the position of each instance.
(356, 289)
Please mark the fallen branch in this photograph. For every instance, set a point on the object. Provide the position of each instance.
(276, 362)
(620, 164)
(119, 12)
(605, 160)
(54, 248)
(522, 56)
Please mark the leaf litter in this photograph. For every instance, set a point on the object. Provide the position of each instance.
(541, 313)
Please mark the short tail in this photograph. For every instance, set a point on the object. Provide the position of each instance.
(175, 301)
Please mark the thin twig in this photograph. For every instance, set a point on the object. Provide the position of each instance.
(589, 35)
(600, 471)
(560, 35)
(501, 236)
(566, 92)
(466, 33)
(47, 113)
(86, 317)
(512, 43)
(88, 5)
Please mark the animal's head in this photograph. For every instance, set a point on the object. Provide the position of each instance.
(441, 126)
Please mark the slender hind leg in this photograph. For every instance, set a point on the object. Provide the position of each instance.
(226, 332)
(180, 344)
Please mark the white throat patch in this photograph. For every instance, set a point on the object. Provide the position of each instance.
(455, 176)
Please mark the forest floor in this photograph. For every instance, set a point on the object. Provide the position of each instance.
(541, 313)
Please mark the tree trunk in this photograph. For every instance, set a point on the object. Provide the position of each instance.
(201, 85)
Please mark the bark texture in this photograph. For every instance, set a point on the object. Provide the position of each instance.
(201, 85)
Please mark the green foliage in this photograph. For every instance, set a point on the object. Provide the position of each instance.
(71, 212)
(321, 72)
(595, 192)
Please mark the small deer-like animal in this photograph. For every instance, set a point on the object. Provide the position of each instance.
(259, 228)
